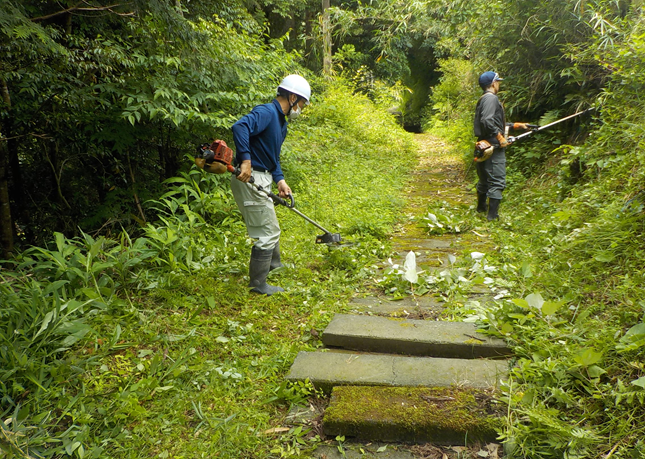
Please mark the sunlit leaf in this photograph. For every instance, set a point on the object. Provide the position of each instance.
(550, 307)
(526, 271)
(634, 339)
(640, 382)
(636, 331)
(535, 300)
(410, 268)
(521, 303)
(595, 371)
(604, 257)
(588, 357)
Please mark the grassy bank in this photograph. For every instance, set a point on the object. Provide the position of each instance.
(568, 275)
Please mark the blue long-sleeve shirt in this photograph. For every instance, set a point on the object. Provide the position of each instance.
(259, 136)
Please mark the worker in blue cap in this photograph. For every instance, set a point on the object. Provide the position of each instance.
(490, 125)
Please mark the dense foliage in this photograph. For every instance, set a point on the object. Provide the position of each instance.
(109, 100)
(110, 346)
(574, 225)
(121, 309)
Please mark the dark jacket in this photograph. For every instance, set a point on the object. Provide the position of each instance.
(259, 136)
(490, 118)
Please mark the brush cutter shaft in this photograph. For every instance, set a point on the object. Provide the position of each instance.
(526, 134)
(306, 218)
(292, 206)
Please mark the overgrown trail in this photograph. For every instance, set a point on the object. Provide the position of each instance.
(378, 365)
(439, 177)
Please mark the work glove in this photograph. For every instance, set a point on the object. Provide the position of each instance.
(503, 143)
(520, 126)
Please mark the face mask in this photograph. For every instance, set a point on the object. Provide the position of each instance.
(294, 112)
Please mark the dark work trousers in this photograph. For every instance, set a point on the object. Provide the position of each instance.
(492, 174)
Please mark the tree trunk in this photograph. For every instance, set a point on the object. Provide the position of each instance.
(17, 181)
(57, 173)
(134, 191)
(326, 33)
(309, 30)
(6, 223)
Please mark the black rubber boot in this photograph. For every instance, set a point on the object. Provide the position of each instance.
(275, 258)
(481, 202)
(258, 269)
(493, 208)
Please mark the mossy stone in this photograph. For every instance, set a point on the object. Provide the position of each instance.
(412, 414)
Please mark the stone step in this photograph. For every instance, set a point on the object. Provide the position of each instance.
(425, 260)
(426, 306)
(411, 337)
(419, 244)
(446, 416)
(329, 369)
(365, 450)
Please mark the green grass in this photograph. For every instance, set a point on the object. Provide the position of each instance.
(170, 355)
(569, 278)
(577, 387)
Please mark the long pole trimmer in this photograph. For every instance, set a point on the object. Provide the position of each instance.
(483, 155)
(217, 158)
(546, 126)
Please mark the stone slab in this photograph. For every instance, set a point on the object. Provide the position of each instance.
(418, 244)
(411, 337)
(399, 308)
(446, 416)
(328, 369)
(352, 450)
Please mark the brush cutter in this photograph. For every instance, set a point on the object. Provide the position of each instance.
(327, 238)
(217, 158)
(484, 150)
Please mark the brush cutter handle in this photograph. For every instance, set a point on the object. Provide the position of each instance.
(236, 171)
(283, 202)
(276, 199)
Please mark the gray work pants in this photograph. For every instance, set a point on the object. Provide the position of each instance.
(257, 210)
(492, 175)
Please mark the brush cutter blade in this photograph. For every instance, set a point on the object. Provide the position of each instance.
(328, 238)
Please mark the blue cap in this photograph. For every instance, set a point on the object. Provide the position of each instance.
(488, 78)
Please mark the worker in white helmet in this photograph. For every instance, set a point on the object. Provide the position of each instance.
(258, 140)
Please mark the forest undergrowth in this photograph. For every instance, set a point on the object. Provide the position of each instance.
(568, 271)
(153, 346)
(126, 328)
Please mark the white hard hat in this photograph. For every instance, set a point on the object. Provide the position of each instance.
(297, 85)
